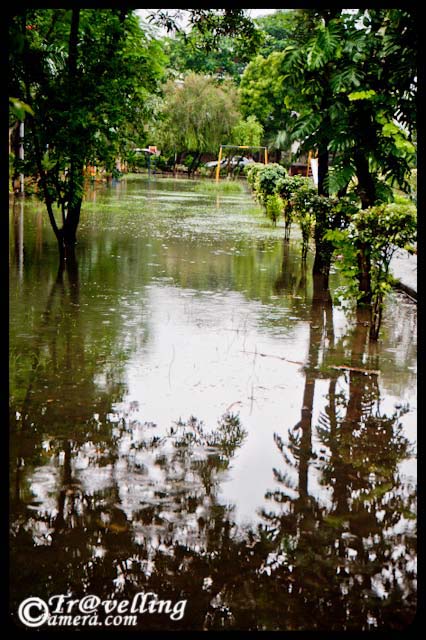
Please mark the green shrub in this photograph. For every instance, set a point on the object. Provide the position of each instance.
(267, 179)
(274, 207)
(380, 231)
(287, 187)
(251, 170)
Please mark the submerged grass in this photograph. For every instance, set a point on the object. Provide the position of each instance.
(223, 186)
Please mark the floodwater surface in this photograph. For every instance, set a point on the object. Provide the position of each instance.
(191, 417)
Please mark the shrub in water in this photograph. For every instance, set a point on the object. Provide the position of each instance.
(274, 207)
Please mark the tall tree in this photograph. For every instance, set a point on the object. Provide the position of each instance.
(86, 74)
(278, 29)
(262, 95)
(187, 52)
(198, 116)
(352, 81)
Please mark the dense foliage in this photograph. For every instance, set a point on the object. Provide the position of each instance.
(95, 85)
(340, 225)
(89, 77)
(198, 115)
(345, 85)
(382, 230)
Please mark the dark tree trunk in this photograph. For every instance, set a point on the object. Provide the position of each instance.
(195, 162)
(323, 248)
(37, 149)
(323, 159)
(71, 223)
(367, 194)
(366, 187)
(72, 46)
(364, 273)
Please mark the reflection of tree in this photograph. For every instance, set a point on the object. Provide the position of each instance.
(103, 504)
(292, 277)
(352, 559)
(54, 377)
(167, 536)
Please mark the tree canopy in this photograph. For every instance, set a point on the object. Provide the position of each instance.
(95, 84)
(88, 76)
(198, 115)
(350, 78)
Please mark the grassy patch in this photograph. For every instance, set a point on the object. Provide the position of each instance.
(223, 186)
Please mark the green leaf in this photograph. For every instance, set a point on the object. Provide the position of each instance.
(19, 108)
(361, 95)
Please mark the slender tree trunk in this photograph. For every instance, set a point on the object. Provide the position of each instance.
(323, 160)
(366, 186)
(70, 227)
(68, 234)
(72, 45)
(367, 194)
(33, 130)
(195, 162)
(323, 248)
(364, 273)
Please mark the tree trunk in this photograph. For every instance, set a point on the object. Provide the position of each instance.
(323, 248)
(323, 158)
(71, 224)
(72, 46)
(367, 194)
(323, 251)
(75, 187)
(364, 273)
(195, 162)
(366, 186)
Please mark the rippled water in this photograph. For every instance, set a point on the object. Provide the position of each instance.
(192, 417)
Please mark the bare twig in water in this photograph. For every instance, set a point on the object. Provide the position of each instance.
(371, 372)
(268, 355)
(233, 404)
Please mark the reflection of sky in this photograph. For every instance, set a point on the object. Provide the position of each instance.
(204, 357)
(203, 352)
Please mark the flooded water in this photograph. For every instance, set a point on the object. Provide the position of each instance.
(192, 418)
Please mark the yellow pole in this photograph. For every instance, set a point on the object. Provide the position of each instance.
(266, 155)
(218, 164)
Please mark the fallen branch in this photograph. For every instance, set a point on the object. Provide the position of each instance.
(370, 372)
(268, 355)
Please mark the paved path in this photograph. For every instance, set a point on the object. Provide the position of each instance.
(404, 268)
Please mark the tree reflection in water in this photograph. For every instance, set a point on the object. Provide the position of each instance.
(350, 559)
(120, 508)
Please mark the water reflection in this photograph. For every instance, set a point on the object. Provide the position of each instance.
(347, 554)
(105, 501)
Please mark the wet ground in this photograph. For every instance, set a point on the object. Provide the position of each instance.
(192, 416)
(404, 269)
